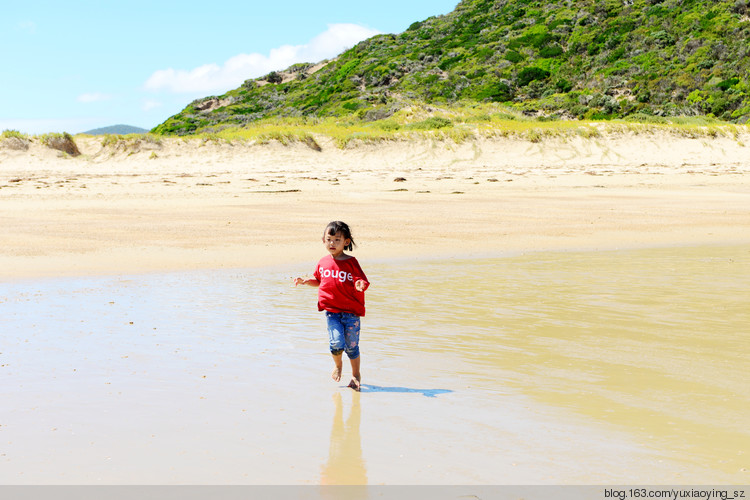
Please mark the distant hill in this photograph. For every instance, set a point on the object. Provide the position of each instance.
(588, 59)
(117, 130)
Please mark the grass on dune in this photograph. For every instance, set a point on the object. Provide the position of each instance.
(13, 134)
(423, 122)
(462, 124)
(129, 141)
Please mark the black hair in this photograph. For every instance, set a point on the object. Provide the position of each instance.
(341, 227)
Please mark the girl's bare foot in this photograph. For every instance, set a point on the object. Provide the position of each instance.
(336, 374)
(354, 384)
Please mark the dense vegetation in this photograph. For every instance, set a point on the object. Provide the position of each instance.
(593, 59)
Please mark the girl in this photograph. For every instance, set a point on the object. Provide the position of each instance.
(341, 294)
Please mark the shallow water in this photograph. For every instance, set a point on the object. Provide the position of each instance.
(623, 367)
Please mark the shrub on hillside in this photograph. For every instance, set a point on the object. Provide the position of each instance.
(528, 75)
(431, 123)
(274, 77)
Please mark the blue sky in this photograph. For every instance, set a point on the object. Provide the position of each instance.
(78, 65)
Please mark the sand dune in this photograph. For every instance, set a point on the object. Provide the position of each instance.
(187, 204)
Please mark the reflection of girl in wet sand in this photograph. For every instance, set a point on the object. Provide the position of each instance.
(341, 294)
(345, 464)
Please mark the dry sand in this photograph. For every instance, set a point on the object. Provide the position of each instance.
(193, 204)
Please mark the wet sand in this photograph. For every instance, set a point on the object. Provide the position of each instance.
(549, 368)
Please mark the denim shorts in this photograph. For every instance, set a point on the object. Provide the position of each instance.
(343, 333)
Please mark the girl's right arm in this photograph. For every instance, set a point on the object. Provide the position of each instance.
(306, 281)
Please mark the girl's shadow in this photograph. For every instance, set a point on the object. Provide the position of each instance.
(430, 393)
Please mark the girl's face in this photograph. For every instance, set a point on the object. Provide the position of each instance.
(335, 243)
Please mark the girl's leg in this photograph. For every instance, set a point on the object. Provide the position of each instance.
(351, 337)
(336, 374)
(356, 377)
(337, 342)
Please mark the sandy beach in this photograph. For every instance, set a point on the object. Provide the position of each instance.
(564, 312)
(194, 204)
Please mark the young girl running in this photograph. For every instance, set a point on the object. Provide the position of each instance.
(341, 294)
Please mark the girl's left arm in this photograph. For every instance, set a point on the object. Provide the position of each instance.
(361, 285)
(360, 281)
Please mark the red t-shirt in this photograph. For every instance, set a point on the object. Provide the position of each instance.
(336, 292)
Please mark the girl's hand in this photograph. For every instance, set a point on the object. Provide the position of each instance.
(360, 285)
(306, 281)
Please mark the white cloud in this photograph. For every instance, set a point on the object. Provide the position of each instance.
(93, 97)
(212, 77)
(150, 104)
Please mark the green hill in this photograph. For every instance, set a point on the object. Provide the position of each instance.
(116, 130)
(594, 59)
